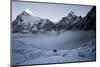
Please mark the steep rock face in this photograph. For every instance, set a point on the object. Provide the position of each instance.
(87, 23)
(44, 25)
(66, 22)
(90, 20)
(49, 26)
(24, 21)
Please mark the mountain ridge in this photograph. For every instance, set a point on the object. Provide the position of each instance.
(28, 22)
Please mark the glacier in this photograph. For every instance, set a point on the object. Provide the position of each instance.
(70, 46)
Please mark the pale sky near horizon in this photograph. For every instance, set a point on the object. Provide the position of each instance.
(54, 12)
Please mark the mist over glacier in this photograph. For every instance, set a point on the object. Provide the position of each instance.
(30, 47)
(50, 40)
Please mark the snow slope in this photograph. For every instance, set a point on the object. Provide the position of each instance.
(85, 53)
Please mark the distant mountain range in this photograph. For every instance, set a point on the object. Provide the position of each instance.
(27, 22)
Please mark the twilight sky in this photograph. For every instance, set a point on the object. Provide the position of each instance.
(54, 12)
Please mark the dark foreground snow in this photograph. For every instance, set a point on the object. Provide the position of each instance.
(38, 48)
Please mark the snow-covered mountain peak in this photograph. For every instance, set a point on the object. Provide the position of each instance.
(27, 11)
(71, 14)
